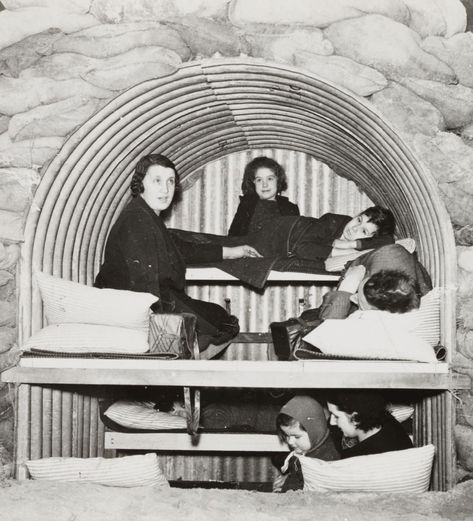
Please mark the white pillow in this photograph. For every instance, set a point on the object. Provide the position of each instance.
(88, 338)
(371, 334)
(398, 471)
(338, 263)
(70, 302)
(400, 411)
(143, 415)
(129, 471)
(427, 317)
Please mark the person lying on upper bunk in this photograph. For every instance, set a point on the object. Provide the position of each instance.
(263, 181)
(301, 243)
(343, 301)
(141, 255)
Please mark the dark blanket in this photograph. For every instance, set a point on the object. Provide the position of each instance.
(252, 271)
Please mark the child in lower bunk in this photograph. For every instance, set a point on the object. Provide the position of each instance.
(302, 424)
(361, 415)
(263, 181)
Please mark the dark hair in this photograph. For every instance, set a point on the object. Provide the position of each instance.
(393, 291)
(382, 218)
(141, 168)
(285, 420)
(367, 407)
(248, 183)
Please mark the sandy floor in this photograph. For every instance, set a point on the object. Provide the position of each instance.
(36, 500)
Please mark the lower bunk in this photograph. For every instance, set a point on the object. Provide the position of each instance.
(58, 410)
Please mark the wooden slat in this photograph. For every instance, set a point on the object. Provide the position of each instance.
(205, 442)
(208, 274)
(240, 374)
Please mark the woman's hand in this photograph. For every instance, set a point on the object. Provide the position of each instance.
(238, 252)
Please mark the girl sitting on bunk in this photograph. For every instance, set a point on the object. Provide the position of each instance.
(263, 181)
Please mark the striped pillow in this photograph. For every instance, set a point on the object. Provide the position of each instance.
(427, 321)
(401, 412)
(88, 338)
(70, 302)
(143, 415)
(129, 471)
(397, 471)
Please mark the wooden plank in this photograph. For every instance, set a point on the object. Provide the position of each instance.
(239, 374)
(205, 442)
(209, 274)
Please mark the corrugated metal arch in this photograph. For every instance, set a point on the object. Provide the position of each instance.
(202, 112)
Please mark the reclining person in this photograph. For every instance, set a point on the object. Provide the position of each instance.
(383, 327)
(340, 303)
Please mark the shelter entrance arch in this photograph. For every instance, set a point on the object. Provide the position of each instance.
(207, 110)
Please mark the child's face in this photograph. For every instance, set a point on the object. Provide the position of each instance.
(266, 184)
(343, 421)
(359, 228)
(296, 437)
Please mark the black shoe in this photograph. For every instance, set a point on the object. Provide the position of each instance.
(283, 333)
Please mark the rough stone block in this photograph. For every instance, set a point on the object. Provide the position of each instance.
(451, 163)
(388, 46)
(9, 255)
(318, 13)
(285, 43)
(23, 94)
(7, 314)
(436, 17)
(206, 37)
(465, 259)
(104, 40)
(133, 67)
(56, 119)
(30, 153)
(347, 73)
(26, 52)
(65, 66)
(119, 11)
(16, 187)
(455, 102)
(464, 442)
(465, 408)
(70, 6)
(16, 25)
(408, 112)
(456, 51)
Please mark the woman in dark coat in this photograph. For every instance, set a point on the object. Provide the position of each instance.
(141, 255)
(263, 181)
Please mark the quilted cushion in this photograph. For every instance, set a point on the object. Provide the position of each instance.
(70, 302)
(88, 338)
(129, 471)
(401, 471)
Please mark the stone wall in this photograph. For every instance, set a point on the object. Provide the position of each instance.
(62, 60)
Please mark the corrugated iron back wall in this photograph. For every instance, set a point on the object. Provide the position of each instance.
(210, 203)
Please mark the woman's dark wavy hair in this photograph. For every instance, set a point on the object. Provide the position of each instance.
(141, 168)
(393, 291)
(248, 183)
(368, 408)
(382, 218)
